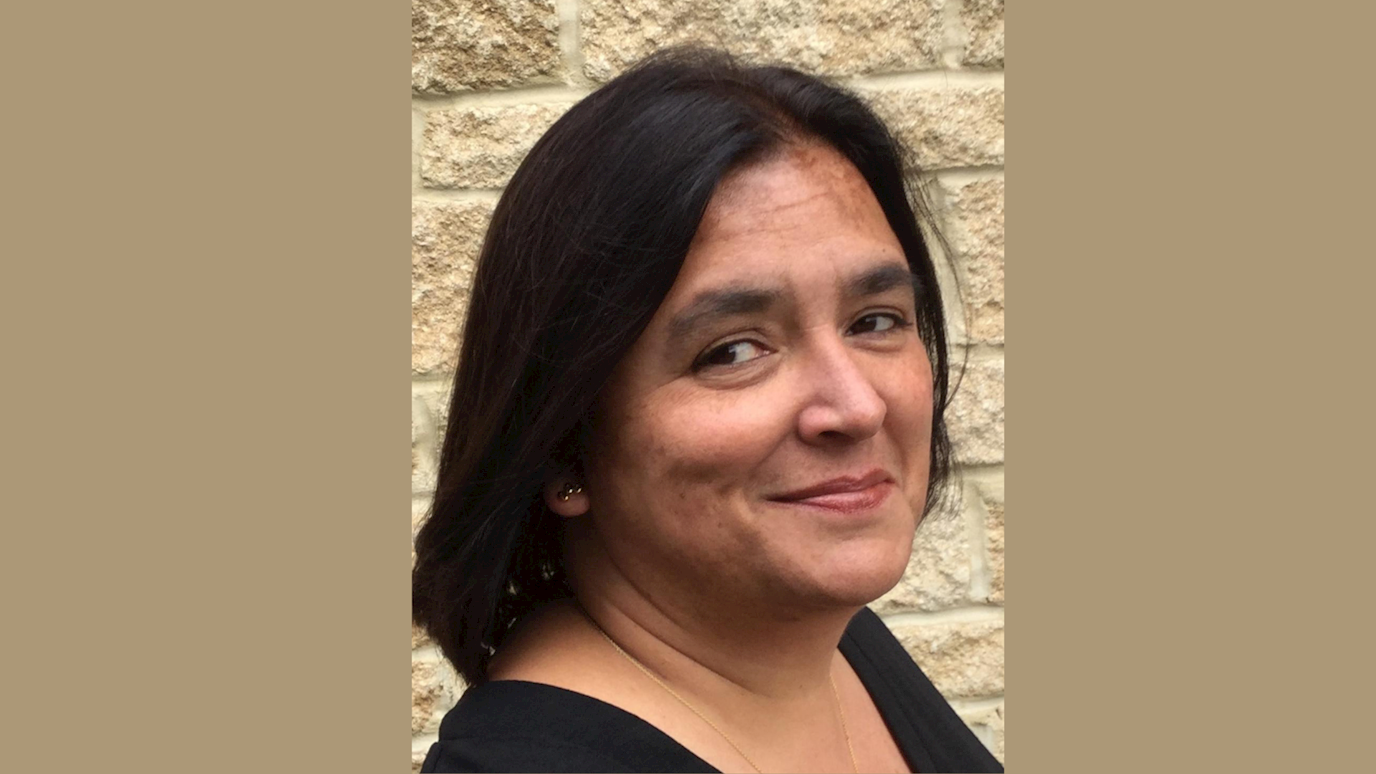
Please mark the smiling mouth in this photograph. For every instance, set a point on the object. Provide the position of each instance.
(846, 494)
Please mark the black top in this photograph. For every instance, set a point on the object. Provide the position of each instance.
(517, 726)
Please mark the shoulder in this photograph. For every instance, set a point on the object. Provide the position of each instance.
(868, 627)
(884, 665)
(870, 639)
(920, 717)
(513, 725)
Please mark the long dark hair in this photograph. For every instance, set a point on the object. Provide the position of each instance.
(582, 248)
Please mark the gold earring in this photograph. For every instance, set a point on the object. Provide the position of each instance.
(569, 490)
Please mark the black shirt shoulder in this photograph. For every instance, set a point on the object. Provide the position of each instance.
(512, 726)
(930, 734)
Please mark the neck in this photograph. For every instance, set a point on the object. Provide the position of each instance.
(747, 654)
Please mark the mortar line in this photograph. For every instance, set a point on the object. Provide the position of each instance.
(957, 178)
(968, 614)
(421, 506)
(982, 471)
(417, 141)
(430, 386)
(976, 705)
(926, 80)
(423, 513)
(422, 742)
(427, 422)
(450, 195)
(427, 654)
(982, 475)
(984, 480)
(928, 175)
(431, 378)
(570, 42)
(424, 444)
(924, 174)
(976, 514)
(980, 351)
(954, 36)
(528, 94)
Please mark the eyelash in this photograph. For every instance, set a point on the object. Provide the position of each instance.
(900, 322)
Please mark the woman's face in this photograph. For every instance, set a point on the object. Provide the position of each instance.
(768, 436)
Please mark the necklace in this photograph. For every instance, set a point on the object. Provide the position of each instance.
(839, 711)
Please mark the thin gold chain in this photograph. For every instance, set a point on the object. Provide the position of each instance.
(841, 712)
(855, 768)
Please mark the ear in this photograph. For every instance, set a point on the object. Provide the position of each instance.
(566, 497)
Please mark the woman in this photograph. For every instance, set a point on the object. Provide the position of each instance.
(696, 421)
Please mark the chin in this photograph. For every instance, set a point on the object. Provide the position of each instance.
(861, 577)
(862, 591)
(854, 570)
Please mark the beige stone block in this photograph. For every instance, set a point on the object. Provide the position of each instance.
(420, 509)
(975, 417)
(458, 45)
(417, 759)
(974, 227)
(983, 22)
(987, 723)
(938, 574)
(417, 455)
(422, 450)
(481, 146)
(435, 396)
(963, 660)
(988, 482)
(851, 38)
(947, 127)
(993, 546)
(445, 241)
(433, 692)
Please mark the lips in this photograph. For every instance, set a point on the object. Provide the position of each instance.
(844, 493)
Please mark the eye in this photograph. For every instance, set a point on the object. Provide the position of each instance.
(731, 353)
(879, 322)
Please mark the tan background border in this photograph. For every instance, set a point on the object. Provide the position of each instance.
(205, 284)
(488, 78)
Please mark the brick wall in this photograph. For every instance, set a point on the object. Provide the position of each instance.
(489, 76)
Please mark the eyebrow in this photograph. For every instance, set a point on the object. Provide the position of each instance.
(882, 279)
(735, 300)
(724, 302)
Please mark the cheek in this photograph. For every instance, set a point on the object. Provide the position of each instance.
(675, 472)
(910, 405)
(906, 389)
(686, 441)
(910, 391)
(913, 415)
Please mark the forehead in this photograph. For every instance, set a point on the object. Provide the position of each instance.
(801, 217)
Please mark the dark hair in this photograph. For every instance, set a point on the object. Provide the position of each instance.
(583, 246)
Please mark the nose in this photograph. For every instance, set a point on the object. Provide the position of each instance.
(842, 404)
